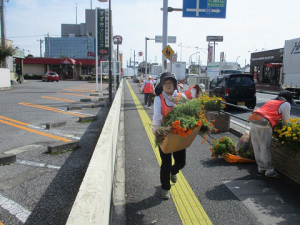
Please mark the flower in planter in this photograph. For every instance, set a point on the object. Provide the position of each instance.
(288, 134)
(211, 103)
(186, 116)
(223, 146)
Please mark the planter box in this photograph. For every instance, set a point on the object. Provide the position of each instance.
(222, 120)
(286, 160)
(174, 143)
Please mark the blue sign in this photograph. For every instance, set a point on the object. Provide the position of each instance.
(204, 8)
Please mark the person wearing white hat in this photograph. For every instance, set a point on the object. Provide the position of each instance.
(195, 91)
(148, 89)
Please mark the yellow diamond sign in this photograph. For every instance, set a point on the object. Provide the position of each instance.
(168, 52)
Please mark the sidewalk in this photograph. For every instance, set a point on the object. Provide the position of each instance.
(229, 193)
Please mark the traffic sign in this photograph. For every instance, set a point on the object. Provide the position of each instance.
(171, 39)
(168, 52)
(214, 38)
(204, 8)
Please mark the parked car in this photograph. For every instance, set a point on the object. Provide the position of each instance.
(50, 76)
(238, 89)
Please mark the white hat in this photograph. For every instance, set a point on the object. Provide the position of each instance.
(202, 86)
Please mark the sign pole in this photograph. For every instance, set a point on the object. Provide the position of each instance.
(109, 54)
(165, 34)
(146, 55)
(96, 57)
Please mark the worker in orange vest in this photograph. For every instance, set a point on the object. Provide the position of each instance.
(164, 101)
(263, 120)
(195, 91)
(148, 89)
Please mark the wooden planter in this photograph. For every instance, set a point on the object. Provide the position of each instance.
(222, 121)
(286, 160)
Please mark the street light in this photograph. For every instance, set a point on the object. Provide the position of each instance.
(191, 56)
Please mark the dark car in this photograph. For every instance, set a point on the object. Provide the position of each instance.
(238, 89)
(50, 76)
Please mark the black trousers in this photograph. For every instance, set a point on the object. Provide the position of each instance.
(148, 99)
(167, 168)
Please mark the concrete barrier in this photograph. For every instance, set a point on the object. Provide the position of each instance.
(93, 201)
(4, 79)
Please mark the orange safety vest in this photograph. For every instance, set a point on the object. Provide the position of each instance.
(270, 111)
(164, 108)
(188, 93)
(148, 88)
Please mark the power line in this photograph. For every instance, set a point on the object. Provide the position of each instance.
(41, 35)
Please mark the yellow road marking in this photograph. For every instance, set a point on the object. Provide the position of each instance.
(35, 131)
(65, 100)
(50, 109)
(83, 91)
(1, 223)
(59, 99)
(15, 121)
(188, 206)
(64, 93)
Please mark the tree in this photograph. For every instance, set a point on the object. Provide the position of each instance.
(4, 53)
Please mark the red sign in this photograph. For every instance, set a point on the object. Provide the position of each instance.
(118, 39)
(140, 53)
(103, 51)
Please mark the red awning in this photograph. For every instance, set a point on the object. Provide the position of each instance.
(68, 61)
(269, 65)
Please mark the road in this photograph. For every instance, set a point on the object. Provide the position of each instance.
(40, 188)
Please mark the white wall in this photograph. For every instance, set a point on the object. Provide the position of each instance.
(4, 78)
(35, 69)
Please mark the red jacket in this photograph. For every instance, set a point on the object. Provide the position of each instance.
(270, 111)
(148, 88)
(164, 108)
(188, 93)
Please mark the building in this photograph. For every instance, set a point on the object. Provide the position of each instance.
(266, 65)
(77, 41)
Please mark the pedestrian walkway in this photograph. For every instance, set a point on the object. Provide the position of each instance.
(209, 191)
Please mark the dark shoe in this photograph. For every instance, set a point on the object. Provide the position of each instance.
(165, 194)
(173, 178)
(261, 171)
(273, 175)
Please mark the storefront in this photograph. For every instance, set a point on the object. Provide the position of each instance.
(265, 66)
(67, 68)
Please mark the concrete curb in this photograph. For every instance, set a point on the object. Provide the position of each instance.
(6, 159)
(83, 119)
(53, 125)
(62, 146)
(74, 107)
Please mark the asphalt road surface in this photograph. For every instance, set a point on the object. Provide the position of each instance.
(40, 188)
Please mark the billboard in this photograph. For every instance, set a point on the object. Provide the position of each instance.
(103, 31)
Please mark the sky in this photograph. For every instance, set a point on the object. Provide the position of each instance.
(249, 26)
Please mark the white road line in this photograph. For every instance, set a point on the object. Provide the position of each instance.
(14, 208)
(30, 163)
(54, 132)
(23, 149)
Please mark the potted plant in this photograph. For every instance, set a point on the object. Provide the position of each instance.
(212, 106)
(227, 148)
(181, 125)
(285, 149)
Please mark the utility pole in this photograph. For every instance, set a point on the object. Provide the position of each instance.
(76, 11)
(165, 34)
(3, 36)
(48, 44)
(41, 42)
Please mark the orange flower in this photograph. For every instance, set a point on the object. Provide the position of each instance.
(211, 124)
(216, 130)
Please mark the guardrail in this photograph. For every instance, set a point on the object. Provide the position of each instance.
(93, 202)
